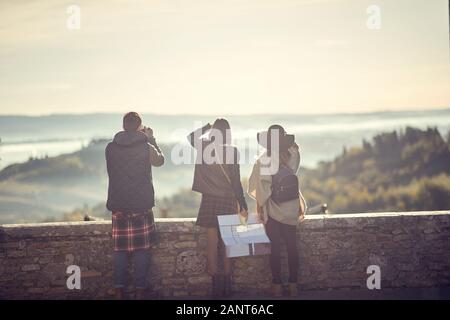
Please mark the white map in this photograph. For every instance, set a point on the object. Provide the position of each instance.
(243, 240)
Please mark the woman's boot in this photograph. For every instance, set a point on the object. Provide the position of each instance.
(118, 293)
(217, 286)
(293, 289)
(140, 294)
(277, 290)
(228, 285)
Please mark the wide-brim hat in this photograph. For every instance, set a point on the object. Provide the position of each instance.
(285, 141)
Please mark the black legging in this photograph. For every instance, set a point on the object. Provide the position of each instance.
(276, 231)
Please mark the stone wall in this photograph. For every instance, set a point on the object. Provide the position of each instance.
(412, 250)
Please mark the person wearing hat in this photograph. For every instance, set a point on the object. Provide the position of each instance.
(280, 204)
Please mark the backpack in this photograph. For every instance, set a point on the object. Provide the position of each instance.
(284, 185)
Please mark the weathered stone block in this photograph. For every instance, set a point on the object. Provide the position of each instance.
(186, 237)
(186, 244)
(205, 279)
(14, 244)
(174, 281)
(180, 293)
(90, 273)
(30, 267)
(13, 253)
(190, 262)
(37, 290)
(165, 260)
(411, 249)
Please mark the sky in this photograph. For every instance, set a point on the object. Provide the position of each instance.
(223, 56)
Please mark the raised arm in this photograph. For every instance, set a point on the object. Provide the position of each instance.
(156, 155)
(194, 136)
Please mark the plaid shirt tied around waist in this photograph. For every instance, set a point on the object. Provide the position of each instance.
(132, 231)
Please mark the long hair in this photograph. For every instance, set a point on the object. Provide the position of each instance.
(223, 127)
(220, 136)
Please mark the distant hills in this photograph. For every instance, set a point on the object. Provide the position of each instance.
(407, 170)
(396, 171)
(62, 169)
(42, 188)
(321, 136)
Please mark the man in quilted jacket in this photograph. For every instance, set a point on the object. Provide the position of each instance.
(129, 160)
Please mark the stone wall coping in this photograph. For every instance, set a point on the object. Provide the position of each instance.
(411, 248)
(379, 214)
(99, 228)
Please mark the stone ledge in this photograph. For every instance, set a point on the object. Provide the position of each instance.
(186, 225)
(411, 248)
(386, 214)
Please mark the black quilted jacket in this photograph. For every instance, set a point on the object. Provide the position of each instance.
(130, 188)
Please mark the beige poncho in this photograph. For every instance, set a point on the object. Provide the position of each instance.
(259, 188)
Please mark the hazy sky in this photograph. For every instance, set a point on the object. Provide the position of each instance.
(223, 56)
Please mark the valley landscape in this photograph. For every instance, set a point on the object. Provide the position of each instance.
(353, 163)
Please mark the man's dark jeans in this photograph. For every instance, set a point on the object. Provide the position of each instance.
(140, 259)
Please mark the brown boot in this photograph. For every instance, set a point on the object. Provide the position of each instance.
(217, 286)
(293, 289)
(277, 290)
(118, 293)
(228, 285)
(140, 294)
